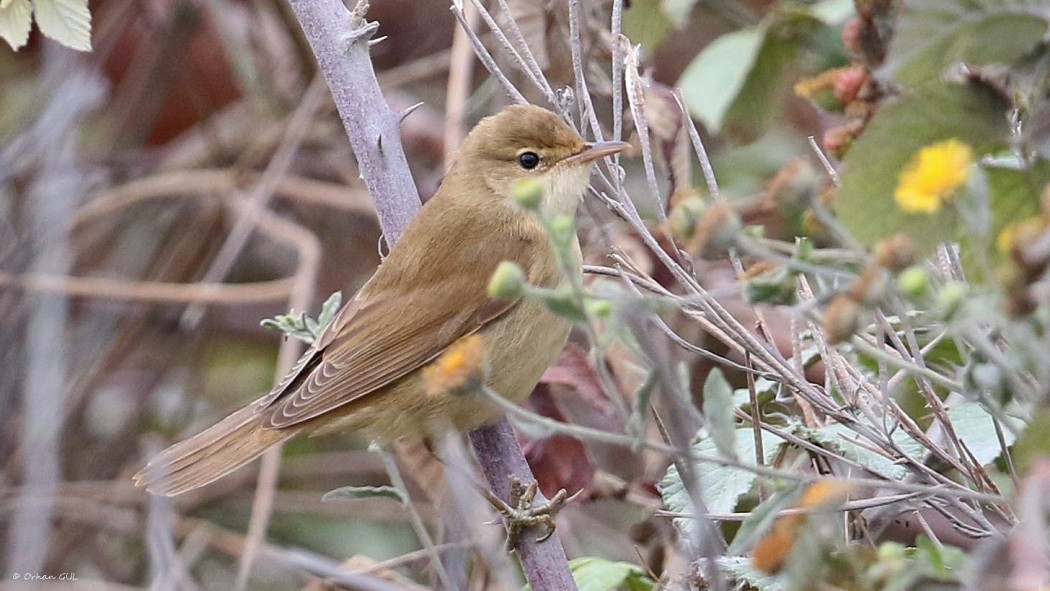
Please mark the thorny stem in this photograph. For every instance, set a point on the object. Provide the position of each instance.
(340, 41)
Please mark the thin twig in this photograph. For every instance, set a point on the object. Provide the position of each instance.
(259, 196)
(417, 522)
(458, 87)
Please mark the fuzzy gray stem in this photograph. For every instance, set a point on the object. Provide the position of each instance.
(339, 39)
(544, 563)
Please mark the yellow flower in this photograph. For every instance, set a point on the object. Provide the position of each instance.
(932, 176)
(459, 370)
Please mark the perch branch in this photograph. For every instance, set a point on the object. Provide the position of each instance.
(340, 40)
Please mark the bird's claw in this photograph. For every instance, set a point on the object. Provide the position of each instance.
(520, 515)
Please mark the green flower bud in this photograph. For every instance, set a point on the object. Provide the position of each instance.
(528, 193)
(599, 308)
(914, 281)
(685, 216)
(951, 298)
(507, 282)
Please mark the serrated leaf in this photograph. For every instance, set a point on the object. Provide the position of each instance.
(721, 486)
(65, 21)
(16, 19)
(975, 428)
(740, 569)
(870, 171)
(718, 410)
(598, 574)
(329, 309)
(934, 34)
(712, 81)
(857, 448)
(354, 493)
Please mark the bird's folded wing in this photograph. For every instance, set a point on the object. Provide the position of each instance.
(387, 334)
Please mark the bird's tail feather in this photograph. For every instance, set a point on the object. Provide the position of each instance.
(211, 454)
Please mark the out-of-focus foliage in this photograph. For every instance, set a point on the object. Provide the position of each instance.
(65, 21)
(749, 63)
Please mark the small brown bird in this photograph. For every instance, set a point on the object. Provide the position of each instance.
(364, 372)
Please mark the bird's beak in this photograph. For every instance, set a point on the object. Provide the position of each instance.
(596, 150)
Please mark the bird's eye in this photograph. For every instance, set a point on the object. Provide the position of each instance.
(528, 160)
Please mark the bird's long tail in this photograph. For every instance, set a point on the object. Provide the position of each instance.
(211, 454)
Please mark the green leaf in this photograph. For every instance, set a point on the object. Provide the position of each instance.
(713, 80)
(678, 11)
(354, 493)
(562, 302)
(16, 18)
(870, 171)
(740, 569)
(721, 486)
(1034, 445)
(934, 34)
(646, 24)
(598, 574)
(940, 562)
(642, 396)
(765, 390)
(853, 446)
(789, 30)
(1015, 193)
(329, 309)
(718, 410)
(975, 428)
(65, 21)
(775, 289)
(833, 12)
(731, 83)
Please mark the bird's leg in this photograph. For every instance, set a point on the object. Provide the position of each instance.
(519, 514)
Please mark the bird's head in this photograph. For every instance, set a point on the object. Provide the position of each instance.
(524, 141)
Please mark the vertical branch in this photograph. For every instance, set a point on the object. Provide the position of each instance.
(461, 65)
(544, 563)
(683, 420)
(56, 189)
(583, 94)
(340, 40)
(526, 52)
